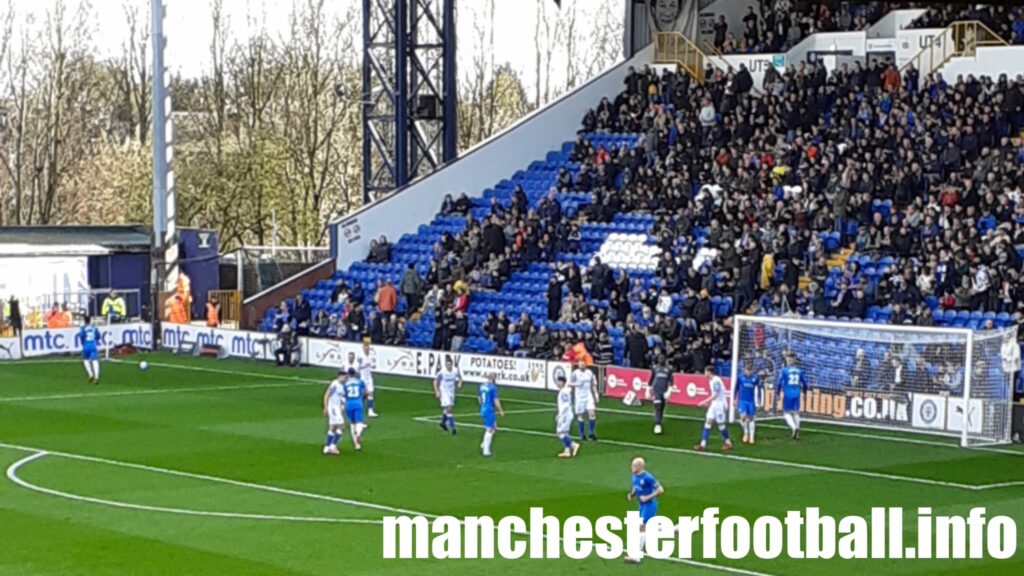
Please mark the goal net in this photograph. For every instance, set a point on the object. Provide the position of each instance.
(943, 381)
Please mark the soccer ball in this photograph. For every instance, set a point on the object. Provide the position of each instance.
(143, 365)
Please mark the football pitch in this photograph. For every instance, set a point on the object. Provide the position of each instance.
(199, 466)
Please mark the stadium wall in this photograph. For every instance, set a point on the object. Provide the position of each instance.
(989, 61)
(890, 24)
(478, 169)
(254, 306)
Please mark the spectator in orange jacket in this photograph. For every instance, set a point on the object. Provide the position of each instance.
(176, 311)
(55, 317)
(387, 299)
(213, 312)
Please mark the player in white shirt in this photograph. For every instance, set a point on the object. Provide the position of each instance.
(585, 387)
(563, 419)
(717, 403)
(334, 410)
(366, 364)
(447, 382)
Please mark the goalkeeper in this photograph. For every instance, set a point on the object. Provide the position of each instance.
(790, 384)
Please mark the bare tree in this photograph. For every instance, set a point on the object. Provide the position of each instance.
(132, 72)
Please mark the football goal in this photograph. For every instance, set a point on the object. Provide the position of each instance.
(943, 381)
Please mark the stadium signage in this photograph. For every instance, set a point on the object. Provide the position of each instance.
(419, 362)
(9, 349)
(237, 343)
(936, 412)
(686, 389)
(46, 341)
(853, 406)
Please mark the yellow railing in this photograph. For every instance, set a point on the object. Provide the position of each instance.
(959, 39)
(674, 48)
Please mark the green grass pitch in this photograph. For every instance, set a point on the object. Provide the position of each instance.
(213, 467)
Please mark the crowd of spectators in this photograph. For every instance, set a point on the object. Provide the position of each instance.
(923, 176)
(1003, 19)
(779, 25)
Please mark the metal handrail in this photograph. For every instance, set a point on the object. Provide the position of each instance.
(674, 48)
(960, 39)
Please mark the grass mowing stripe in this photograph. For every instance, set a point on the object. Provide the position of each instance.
(813, 467)
(822, 427)
(218, 479)
(12, 475)
(37, 453)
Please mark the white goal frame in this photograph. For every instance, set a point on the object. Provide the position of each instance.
(966, 335)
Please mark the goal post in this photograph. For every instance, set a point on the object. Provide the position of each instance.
(942, 381)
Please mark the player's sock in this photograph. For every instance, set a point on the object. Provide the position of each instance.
(796, 421)
(330, 441)
(451, 421)
(369, 403)
(751, 426)
(88, 368)
(582, 427)
(593, 425)
(790, 421)
(745, 425)
(488, 436)
(566, 441)
(704, 435)
(659, 413)
(643, 545)
(724, 430)
(96, 369)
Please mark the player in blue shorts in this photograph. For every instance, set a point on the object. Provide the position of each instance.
(489, 404)
(646, 489)
(89, 336)
(355, 396)
(790, 384)
(748, 389)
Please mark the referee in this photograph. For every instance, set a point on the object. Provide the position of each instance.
(661, 376)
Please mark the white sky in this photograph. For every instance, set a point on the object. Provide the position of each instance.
(189, 29)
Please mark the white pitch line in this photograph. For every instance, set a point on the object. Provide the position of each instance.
(217, 479)
(765, 461)
(302, 380)
(37, 453)
(12, 475)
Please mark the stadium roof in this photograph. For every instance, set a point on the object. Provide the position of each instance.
(40, 240)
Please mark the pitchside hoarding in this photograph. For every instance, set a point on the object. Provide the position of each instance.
(423, 363)
(47, 341)
(686, 389)
(236, 343)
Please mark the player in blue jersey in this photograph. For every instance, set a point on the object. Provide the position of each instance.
(646, 489)
(489, 405)
(790, 384)
(355, 397)
(89, 336)
(748, 388)
(718, 404)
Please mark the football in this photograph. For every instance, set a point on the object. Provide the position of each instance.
(143, 365)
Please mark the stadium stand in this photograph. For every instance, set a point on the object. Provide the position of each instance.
(1005, 20)
(857, 195)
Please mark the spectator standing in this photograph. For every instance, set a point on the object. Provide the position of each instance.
(113, 308)
(212, 312)
(459, 329)
(302, 314)
(387, 299)
(412, 289)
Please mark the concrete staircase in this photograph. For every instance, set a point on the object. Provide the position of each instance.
(837, 260)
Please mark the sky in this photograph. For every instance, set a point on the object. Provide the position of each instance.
(189, 29)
